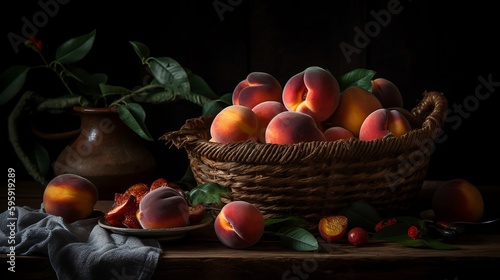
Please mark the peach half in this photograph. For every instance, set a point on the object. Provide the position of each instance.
(332, 228)
(257, 88)
(239, 225)
(292, 127)
(70, 196)
(383, 122)
(314, 91)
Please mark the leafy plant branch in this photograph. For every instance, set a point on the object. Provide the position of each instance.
(170, 82)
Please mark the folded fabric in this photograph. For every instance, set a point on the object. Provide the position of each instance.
(78, 250)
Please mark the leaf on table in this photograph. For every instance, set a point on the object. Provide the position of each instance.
(207, 193)
(405, 240)
(275, 224)
(297, 238)
(361, 214)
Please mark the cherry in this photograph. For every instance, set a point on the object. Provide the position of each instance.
(358, 236)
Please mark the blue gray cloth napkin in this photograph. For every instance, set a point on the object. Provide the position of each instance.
(79, 250)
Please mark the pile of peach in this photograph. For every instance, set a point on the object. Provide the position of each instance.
(160, 205)
(309, 107)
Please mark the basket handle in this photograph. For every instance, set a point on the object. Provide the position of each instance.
(190, 132)
(432, 110)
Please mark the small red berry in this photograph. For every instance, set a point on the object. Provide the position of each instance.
(358, 236)
(34, 43)
(383, 223)
(414, 233)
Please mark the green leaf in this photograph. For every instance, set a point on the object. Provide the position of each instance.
(207, 193)
(361, 214)
(437, 244)
(62, 102)
(213, 107)
(188, 182)
(160, 97)
(357, 77)
(75, 49)
(396, 229)
(141, 50)
(84, 77)
(274, 224)
(133, 115)
(409, 220)
(199, 86)
(107, 90)
(42, 158)
(298, 238)
(421, 243)
(11, 82)
(168, 95)
(170, 73)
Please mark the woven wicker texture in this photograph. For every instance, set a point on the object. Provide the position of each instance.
(314, 179)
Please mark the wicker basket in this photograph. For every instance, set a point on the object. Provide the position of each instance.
(313, 179)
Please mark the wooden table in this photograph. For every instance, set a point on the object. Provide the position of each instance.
(201, 256)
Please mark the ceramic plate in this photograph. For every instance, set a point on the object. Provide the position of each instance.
(162, 233)
(429, 215)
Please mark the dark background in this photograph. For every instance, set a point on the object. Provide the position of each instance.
(426, 46)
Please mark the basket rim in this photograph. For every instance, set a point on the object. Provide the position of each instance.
(430, 113)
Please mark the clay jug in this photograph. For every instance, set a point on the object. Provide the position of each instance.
(107, 152)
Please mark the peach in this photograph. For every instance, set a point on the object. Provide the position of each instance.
(130, 219)
(332, 228)
(138, 190)
(337, 132)
(122, 205)
(292, 127)
(163, 208)
(387, 93)
(257, 88)
(125, 205)
(235, 123)
(383, 122)
(458, 200)
(313, 91)
(355, 104)
(239, 225)
(265, 111)
(70, 196)
(196, 213)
